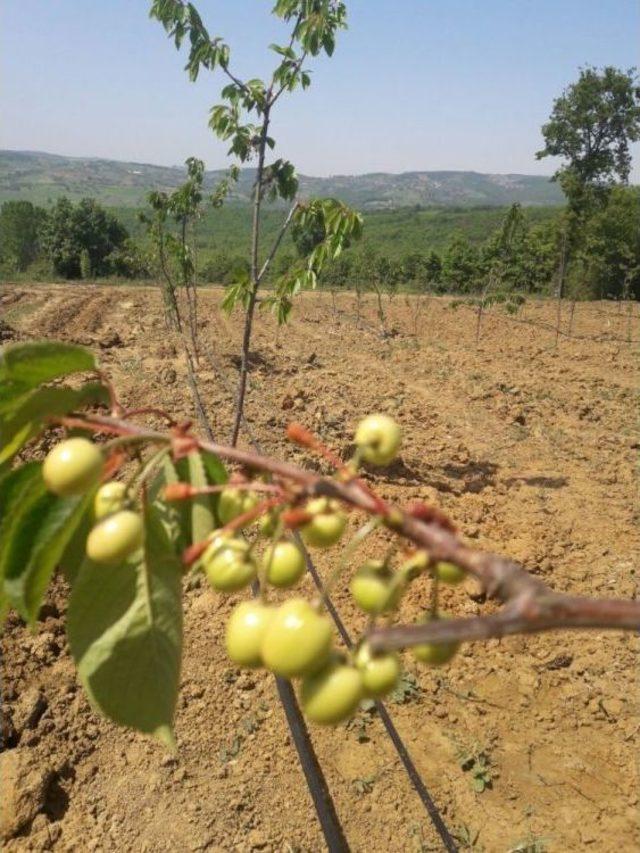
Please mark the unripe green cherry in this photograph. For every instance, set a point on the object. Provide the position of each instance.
(449, 573)
(284, 564)
(267, 523)
(435, 654)
(116, 537)
(72, 467)
(327, 525)
(378, 438)
(235, 502)
(297, 641)
(245, 632)
(373, 589)
(228, 564)
(415, 565)
(380, 672)
(332, 694)
(110, 498)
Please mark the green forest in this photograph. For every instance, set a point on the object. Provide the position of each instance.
(442, 249)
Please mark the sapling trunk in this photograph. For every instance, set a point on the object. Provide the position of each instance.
(561, 275)
(381, 314)
(171, 311)
(571, 315)
(255, 283)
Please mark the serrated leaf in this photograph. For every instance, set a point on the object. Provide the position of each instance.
(125, 631)
(24, 421)
(36, 535)
(41, 361)
(203, 520)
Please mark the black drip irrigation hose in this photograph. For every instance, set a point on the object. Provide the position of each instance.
(316, 781)
(403, 753)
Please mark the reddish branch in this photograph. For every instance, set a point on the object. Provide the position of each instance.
(529, 605)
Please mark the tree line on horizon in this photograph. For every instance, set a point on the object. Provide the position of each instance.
(590, 249)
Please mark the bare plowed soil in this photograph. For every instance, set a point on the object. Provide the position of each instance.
(531, 448)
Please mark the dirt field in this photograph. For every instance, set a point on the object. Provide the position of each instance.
(531, 449)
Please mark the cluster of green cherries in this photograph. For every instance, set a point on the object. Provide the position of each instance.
(294, 639)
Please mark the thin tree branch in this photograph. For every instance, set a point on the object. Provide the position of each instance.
(278, 240)
(297, 67)
(530, 606)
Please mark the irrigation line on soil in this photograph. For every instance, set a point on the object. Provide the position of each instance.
(314, 776)
(394, 735)
(316, 782)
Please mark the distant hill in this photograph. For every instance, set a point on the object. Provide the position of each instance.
(42, 178)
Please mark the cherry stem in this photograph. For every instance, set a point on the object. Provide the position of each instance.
(349, 550)
(140, 477)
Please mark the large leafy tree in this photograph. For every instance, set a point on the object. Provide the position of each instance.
(612, 247)
(85, 229)
(461, 268)
(591, 127)
(21, 225)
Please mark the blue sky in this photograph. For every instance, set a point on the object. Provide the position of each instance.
(413, 85)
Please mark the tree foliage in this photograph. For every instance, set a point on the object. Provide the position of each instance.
(86, 227)
(591, 127)
(21, 225)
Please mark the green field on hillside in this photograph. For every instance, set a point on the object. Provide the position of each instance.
(394, 233)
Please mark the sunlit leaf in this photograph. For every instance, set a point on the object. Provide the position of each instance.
(125, 632)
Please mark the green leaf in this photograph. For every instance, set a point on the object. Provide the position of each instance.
(37, 362)
(25, 420)
(35, 535)
(125, 632)
(14, 486)
(217, 475)
(75, 551)
(174, 515)
(202, 516)
(215, 470)
(11, 394)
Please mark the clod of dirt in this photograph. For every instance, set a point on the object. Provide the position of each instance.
(7, 332)
(25, 781)
(28, 709)
(169, 376)
(110, 339)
